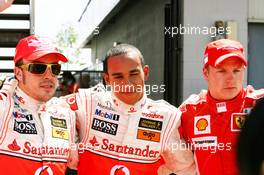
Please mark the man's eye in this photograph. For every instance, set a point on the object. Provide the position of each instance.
(118, 77)
(221, 71)
(237, 70)
(133, 74)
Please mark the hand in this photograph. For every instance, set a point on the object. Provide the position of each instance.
(1, 83)
(9, 85)
(73, 159)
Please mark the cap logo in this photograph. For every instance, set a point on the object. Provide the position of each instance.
(206, 59)
(226, 47)
(44, 44)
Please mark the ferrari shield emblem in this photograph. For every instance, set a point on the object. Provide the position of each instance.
(237, 121)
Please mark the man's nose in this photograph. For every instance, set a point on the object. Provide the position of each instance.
(127, 81)
(230, 75)
(48, 73)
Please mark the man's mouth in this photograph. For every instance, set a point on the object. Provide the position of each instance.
(47, 86)
(230, 88)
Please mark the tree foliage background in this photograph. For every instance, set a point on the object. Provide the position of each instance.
(67, 38)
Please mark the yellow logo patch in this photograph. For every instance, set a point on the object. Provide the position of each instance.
(60, 133)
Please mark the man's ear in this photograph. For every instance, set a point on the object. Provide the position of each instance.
(206, 73)
(106, 78)
(146, 72)
(18, 73)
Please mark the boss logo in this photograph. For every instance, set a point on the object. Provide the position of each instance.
(25, 127)
(104, 126)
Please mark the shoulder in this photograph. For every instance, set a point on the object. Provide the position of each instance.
(71, 100)
(57, 102)
(163, 112)
(161, 104)
(194, 100)
(97, 89)
(254, 94)
(76, 99)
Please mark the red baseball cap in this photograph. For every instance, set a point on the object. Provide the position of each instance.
(34, 47)
(219, 50)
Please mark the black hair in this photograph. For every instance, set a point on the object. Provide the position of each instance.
(120, 50)
(19, 63)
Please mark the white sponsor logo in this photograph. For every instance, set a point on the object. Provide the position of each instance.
(221, 107)
(204, 141)
(44, 169)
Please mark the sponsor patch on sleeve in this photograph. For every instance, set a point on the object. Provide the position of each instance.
(71, 100)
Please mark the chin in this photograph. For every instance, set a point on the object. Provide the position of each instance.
(231, 96)
(46, 97)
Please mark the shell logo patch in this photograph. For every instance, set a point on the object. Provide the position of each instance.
(202, 125)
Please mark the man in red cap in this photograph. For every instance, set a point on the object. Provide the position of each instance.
(211, 121)
(36, 130)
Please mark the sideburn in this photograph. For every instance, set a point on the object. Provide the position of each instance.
(23, 78)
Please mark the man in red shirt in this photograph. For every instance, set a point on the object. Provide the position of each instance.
(212, 120)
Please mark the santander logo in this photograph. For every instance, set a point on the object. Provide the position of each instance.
(14, 146)
(119, 170)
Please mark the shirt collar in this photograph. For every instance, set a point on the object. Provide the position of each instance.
(26, 101)
(224, 106)
(129, 109)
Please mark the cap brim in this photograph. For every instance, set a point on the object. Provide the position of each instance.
(235, 55)
(39, 54)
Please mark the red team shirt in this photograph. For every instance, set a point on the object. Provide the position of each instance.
(212, 127)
